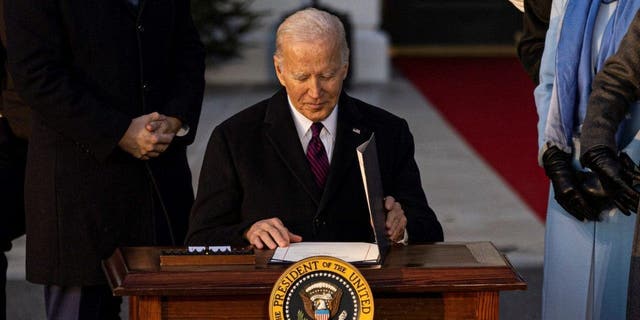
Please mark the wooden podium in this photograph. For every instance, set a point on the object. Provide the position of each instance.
(436, 281)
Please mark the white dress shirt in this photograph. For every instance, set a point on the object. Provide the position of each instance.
(327, 135)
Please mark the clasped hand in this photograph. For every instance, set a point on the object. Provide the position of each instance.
(272, 233)
(579, 193)
(149, 135)
(618, 174)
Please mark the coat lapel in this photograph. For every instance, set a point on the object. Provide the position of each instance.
(350, 134)
(281, 132)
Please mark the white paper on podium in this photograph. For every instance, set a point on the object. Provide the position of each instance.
(347, 251)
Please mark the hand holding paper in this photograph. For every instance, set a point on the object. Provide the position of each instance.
(396, 221)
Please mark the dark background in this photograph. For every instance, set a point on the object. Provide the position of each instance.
(451, 22)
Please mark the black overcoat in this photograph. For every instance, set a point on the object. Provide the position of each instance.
(255, 168)
(87, 68)
(535, 22)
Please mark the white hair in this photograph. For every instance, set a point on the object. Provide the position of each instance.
(310, 25)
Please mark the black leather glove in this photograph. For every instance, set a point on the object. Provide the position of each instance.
(594, 192)
(567, 185)
(617, 174)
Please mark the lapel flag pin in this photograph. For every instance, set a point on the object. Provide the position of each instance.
(356, 130)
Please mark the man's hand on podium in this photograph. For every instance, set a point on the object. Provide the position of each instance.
(270, 233)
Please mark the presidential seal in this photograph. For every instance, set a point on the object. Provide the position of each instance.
(321, 288)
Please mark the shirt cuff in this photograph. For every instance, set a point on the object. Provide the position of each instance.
(405, 239)
(184, 130)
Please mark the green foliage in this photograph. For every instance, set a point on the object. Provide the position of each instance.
(221, 24)
(301, 315)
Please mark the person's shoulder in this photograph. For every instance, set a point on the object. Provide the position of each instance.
(375, 115)
(249, 116)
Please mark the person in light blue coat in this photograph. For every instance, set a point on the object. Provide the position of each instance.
(616, 90)
(587, 239)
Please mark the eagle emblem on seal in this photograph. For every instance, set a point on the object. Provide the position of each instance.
(321, 301)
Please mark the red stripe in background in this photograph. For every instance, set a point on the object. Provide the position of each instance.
(489, 101)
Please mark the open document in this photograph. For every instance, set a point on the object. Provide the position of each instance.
(353, 252)
(372, 181)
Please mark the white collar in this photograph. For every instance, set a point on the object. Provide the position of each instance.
(303, 124)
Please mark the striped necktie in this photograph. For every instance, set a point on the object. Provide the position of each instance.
(317, 156)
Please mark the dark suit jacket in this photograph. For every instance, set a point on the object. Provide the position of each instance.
(255, 168)
(87, 68)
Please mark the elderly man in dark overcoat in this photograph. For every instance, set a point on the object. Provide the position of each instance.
(285, 170)
(116, 88)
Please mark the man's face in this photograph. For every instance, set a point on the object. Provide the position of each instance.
(313, 74)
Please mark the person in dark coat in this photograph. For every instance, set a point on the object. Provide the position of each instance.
(14, 134)
(285, 170)
(535, 22)
(115, 88)
(14, 117)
